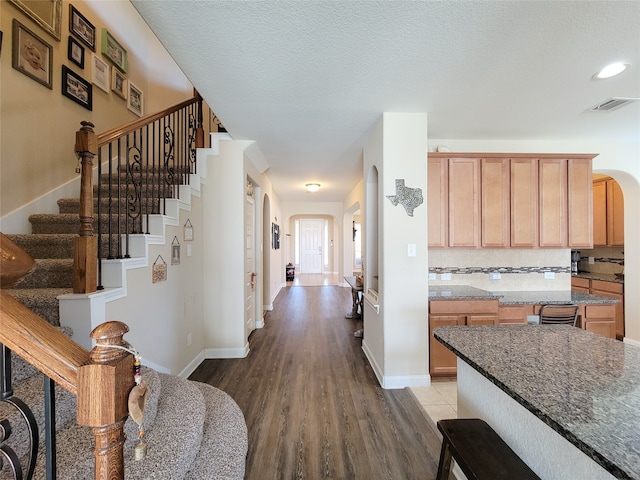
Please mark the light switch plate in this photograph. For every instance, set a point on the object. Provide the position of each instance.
(432, 276)
(445, 276)
(411, 250)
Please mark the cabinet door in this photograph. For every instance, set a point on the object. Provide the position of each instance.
(600, 212)
(464, 212)
(553, 202)
(615, 214)
(580, 203)
(494, 204)
(600, 319)
(514, 314)
(612, 290)
(442, 361)
(524, 203)
(437, 202)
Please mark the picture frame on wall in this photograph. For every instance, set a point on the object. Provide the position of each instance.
(118, 83)
(76, 88)
(114, 52)
(31, 55)
(75, 52)
(135, 99)
(82, 28)
(47, 15)
(100, 72)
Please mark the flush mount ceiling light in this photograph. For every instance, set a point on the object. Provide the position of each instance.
(611, 71)
(313, 187)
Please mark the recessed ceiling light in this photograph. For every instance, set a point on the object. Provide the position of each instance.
(313, 187)
(611, 71)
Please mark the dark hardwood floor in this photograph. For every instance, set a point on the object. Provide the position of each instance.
(312, 404)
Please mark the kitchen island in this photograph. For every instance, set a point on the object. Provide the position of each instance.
(464, 305)
(565, 400)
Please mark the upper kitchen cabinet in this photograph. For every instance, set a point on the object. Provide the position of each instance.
(503, 200)
(438, 201)
(608, 213)
(464, 205)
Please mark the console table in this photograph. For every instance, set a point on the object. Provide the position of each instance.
(356, 310)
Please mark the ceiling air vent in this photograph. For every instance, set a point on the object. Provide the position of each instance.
(612, 104)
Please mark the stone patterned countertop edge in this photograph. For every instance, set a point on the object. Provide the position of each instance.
(611, 388)
(465, 292)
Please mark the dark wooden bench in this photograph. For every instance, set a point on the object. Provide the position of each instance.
(479, 451)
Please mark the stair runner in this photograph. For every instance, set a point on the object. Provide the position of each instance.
(193, 430)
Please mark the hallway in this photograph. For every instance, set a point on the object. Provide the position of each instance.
(312, 404)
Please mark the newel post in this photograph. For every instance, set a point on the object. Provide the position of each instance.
(85, 247)
(104, 384)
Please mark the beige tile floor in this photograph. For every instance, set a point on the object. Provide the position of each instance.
(439, 400)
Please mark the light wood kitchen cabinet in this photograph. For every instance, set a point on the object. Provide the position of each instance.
(505, 200)
(600, 212)
(608, 213)
(580, 203)
(524, 203)
(599, 319)
(612, 290)
(581, 285)
(442, 362)
(464, 208)
(494, 203)
(514, 314)
(552, 195)
(615, 214)
(438, 202)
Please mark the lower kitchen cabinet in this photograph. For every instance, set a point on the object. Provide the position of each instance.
(442, 361)
(514, 314)
(612, 290)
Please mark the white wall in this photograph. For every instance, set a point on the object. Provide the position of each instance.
(397, 148)
(620, 160)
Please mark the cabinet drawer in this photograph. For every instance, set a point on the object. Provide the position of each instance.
(482, 319)
(463, 306)
(580, 282)
(600, 311)
(509, 314)
(612, 287)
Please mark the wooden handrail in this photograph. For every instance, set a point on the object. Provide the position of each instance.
(40, 344)
(115, 133)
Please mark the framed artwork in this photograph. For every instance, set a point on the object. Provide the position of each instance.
(82, 28)
(32, 55)
(75, 52)
(76, 88)
(47, 15)
(100, 72)
(118, 83)
(135, 100)
(159, 270)
(188, 231)
(275, 234)
(114, 51)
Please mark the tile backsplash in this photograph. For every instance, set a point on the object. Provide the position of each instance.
(605, 260)
(502, 269)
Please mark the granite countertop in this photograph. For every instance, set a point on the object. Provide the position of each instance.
(583, 386)
(551, 296)
(465, 292)
(605, 277)
(459, 292)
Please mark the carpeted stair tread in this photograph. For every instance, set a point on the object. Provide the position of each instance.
(70, 222)
(223, 450)
(45, 245)
(42, 301)
(72, 205)
(49, 273)
(173, 440)
(31, 392)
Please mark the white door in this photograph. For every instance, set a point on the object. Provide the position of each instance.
(250, 267)
(311, 245)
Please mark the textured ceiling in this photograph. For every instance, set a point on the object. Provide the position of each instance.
(307, 80)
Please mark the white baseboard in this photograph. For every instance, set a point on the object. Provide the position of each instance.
(226, 352)
(396, 381)
(193, 364)
(631, 341)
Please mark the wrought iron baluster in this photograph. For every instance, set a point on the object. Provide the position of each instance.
(6, 452)
(50, 428)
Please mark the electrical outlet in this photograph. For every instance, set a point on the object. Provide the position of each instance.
(432, 276)
(549, 275)
(189, 339)
(411, 250)
(188, 249)
(591, 260)
(445, 276)
(495, 276)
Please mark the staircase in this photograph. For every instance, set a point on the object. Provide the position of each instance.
(193, 430)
